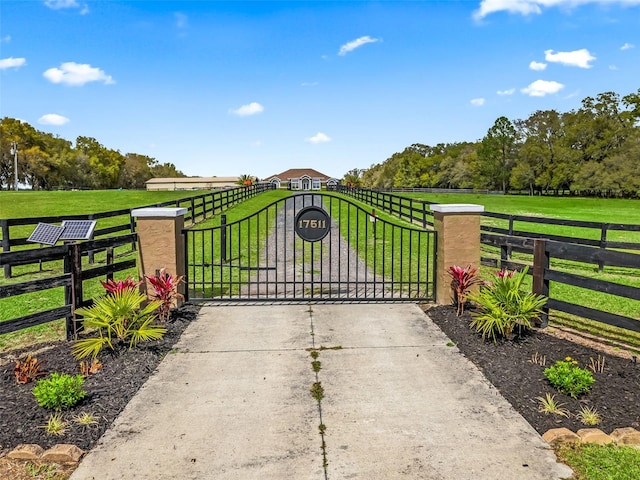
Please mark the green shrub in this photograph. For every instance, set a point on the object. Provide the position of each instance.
(505, 305)
(59, 391)
(118, 318)
(569, 378)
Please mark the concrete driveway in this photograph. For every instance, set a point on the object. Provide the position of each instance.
(234, 402)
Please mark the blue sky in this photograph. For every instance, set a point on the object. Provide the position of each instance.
(230, 88)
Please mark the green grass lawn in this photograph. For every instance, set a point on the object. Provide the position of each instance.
(601, 462)
(41, 204)
(575, 208)
(67, 203)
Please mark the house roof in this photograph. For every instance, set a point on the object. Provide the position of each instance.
(298, 173)
(193, 180)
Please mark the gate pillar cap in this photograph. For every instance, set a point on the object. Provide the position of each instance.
(158, 212)
(457, 208)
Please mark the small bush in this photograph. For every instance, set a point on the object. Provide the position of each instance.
(462, 281)
(569, 378)
(28, 369)
(59, 391)
(505, 305)
(118, 318)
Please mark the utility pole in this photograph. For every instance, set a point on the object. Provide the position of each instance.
(14, 152)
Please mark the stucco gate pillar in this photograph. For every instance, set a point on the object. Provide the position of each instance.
(457, 226)
(160, 241)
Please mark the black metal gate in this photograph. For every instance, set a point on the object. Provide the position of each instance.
(310, 246)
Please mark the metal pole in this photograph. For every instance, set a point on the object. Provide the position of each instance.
(14, 151)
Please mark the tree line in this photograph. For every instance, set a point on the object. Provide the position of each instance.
(47, 162)
(593, 150)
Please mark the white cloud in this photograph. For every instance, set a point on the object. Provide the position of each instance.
(309, 84)
(5, 39)
(537, 66)
(252, 108)
(627, 46)
(477, 102)
(77, 74)
(529, 7)
(540, 88)
(319, 138)
(577, 58)
(52, 119)
(60, 4)
(613, 67)
(358, 42)
(12, 63)
(511, 91)
(182, 21)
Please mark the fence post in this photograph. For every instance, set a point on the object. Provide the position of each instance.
(132, 225)
(73, 293)
(6, 245)
(603, 243)
(91, 253)
(457, 228)
(508, 252)
(160, 242)
(540, 286)
(223, 237)
(504, 255)
(109, 262)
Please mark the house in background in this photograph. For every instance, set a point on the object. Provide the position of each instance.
(191, 183)
(302, 179)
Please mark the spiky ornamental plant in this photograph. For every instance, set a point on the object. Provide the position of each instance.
(112, 286)
(462, 280)
(165, 290)
(118, 318)
(505, 305)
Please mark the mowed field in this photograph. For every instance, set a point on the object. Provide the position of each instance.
(35, 204)
(40, 204)
(611, 211)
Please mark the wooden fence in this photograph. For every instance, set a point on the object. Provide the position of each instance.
(71, 254)
(544, 250)
(599, 251)
(199, 208)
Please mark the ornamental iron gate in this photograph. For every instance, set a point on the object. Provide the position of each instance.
(310, 246)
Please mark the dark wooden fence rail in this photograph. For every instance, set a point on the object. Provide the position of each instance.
(591, 251)
(74, 274)
(544, 250)
(199, 207)
(418, 211)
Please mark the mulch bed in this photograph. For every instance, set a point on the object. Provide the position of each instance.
(108, 390)
(510, 367)
(507, 365)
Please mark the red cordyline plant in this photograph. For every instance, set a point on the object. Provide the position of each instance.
(505, 273)
(112, 286)
(462, 279)
(165, 289)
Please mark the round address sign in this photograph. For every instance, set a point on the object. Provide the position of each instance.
(312, 224)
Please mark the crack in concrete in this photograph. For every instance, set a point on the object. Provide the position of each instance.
(317, 392)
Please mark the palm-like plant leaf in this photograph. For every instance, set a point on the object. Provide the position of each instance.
(118, 316)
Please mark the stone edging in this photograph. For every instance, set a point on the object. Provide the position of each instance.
(621, 436)
(62, 453)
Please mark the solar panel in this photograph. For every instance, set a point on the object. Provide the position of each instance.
(77, 229)
(46, 234)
